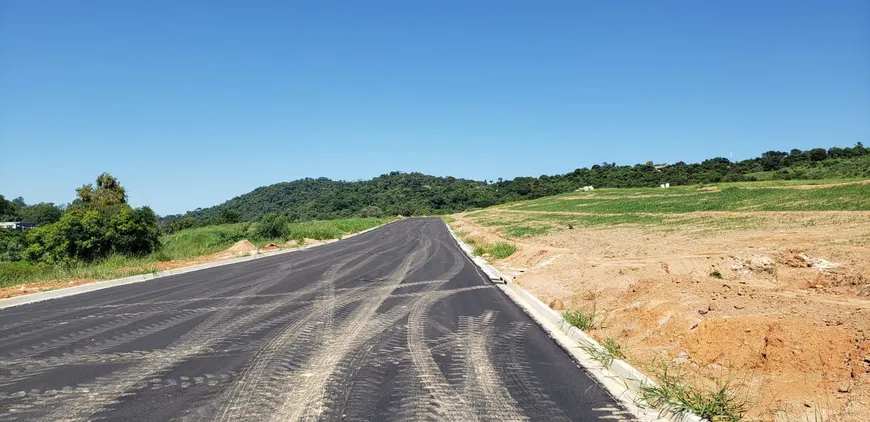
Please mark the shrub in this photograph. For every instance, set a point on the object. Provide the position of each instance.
(371, 211)
(11, 245)
(86, 235)
(98, 224)
(273, 226)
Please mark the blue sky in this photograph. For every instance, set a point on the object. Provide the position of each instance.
(191, 103)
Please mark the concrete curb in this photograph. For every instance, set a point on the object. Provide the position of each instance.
(621, 379)
(100, 285)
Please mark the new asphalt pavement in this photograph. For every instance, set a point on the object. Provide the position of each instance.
(393, 324)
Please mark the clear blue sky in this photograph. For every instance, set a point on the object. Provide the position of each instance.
(190, 103)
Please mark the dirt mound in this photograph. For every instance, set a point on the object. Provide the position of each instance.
(242, 246)
(783, 346)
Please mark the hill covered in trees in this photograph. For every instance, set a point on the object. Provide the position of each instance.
(418, 194)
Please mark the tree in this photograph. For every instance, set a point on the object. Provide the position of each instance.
(108, 192)
(228, 216)
(835, 152)
(273, 226)
(41, 214)
(98, 224)
(772, 160)
(371, 211)
(818, 154)
(8, 210)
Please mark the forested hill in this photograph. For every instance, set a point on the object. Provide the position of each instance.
(417, 194)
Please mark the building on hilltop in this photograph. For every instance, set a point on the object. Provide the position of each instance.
(17, 225)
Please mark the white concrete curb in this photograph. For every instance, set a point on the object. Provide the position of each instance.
(90, 287)
(621, 379)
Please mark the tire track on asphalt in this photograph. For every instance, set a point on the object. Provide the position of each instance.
(489, 399)
(188, 287)
(306, 399)
(353, 355)
(242, 401)
(118, 384)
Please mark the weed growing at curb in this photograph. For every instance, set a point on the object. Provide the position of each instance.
(613, 348)
(604, 355)
(583, 320)
(673, 393)
(498, 250)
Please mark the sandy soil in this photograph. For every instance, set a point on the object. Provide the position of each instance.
(781, 309)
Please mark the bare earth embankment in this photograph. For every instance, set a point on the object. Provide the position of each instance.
(764, 287)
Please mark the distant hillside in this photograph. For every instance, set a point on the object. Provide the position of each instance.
(417, 194)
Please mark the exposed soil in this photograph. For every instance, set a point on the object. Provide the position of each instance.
(782, 310)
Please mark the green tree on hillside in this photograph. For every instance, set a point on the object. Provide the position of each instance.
(8, 210)
(41, 214)
(98, 223)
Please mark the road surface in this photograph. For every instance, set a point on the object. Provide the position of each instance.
(393, 324)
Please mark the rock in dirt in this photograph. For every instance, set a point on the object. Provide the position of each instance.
(682, 358)
(844, 387)
(760, 264)
(557, 305)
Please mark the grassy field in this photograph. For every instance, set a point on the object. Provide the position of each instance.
(186, 244)
(744, 204)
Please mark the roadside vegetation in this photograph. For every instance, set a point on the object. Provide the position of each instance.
(673, 392)
(99, 236)
(609, 350)
(496, 250)
(411, 194)
(187, 244)
(585, 321)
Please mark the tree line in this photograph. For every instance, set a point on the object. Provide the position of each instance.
(100, 223)
(419, 194)
(97, 224)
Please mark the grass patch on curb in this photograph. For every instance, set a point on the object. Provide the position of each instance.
(497, 250)
(605, 355)
(448, 219)
(721, 403)
(584, 320)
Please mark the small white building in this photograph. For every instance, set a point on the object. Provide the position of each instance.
(17, 225)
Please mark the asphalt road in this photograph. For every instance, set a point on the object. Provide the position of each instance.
(393, 324)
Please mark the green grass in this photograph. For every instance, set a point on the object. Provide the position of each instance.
(584, 320)
(605, 354)
(448, 219)
(332, 229)
(189, 243)
(690, 199)
(525, 231)
(185, 244)
(497, 250)
(14, 273)
(674, 393)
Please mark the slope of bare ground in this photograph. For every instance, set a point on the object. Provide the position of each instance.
(780, 306)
